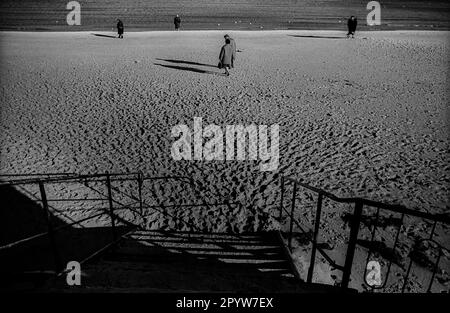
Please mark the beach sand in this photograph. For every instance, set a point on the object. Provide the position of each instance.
(366, 117)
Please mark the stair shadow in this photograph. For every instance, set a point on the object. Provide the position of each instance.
(147, 262)
(216, 248)
(143, 265)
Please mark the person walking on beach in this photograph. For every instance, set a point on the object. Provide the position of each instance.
(177, 22)
(120, 28)
(226, 55)
(233, 45)
(351, 24)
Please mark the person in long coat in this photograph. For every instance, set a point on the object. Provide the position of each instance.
(225, 56)
(233, 44)
(120, 28)
(177, 22)
(351, 24)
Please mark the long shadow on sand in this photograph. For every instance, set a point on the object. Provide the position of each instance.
(186, 62)
(189, 69)
(317, 37)
(107, 36)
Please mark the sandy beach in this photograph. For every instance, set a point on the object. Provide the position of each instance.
(366, 117)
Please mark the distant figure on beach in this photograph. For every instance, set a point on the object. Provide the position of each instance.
(177, 22)
(226, 56)
(233, 45)
(120, 28)
(351, 24)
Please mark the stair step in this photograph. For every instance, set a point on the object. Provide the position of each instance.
(239, 241)
(176, 260)
(212, 246)
(202, 266)
(200, 251)
(248, 236)
(126, 274)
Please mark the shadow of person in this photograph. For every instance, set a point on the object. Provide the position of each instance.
(317, 37)
(185, 62)
(107, 36)
(189, 69)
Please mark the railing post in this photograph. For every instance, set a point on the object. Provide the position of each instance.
(282, 200)
(111, 209)
(354, 229)
(292, 217)
(433, 230)
(140, 192)
(435, 268)
(51, 233)
(314, 242)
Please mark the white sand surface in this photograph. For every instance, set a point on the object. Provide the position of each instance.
(366, 117)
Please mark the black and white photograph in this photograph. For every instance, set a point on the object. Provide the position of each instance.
(224, 152)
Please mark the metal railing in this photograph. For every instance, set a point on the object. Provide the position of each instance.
(139, 206)
(355, 224)
(43, 179)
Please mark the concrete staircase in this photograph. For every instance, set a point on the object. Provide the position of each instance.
(149, 261)
(159, 261)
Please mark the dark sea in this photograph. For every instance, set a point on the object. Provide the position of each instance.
(145, 15)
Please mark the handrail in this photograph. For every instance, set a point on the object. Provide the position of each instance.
(35, 174)
(395, 208)
(92, 179)
(42, 234)
(83, 178)
(354, 229)
(99, 251)
(74, 177)
(108, 178)
(391, 207)
(321, 251)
